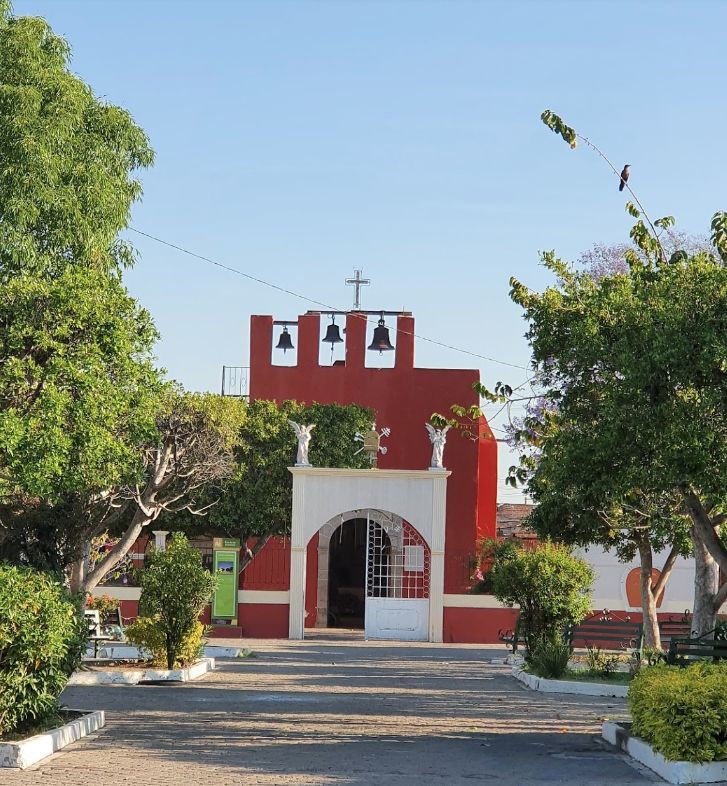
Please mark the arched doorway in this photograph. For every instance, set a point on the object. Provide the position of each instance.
(373, 574)
(346, 567)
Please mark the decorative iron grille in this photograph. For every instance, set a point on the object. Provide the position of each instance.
(397, 566)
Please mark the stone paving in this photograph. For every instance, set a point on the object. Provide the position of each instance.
(341, 713)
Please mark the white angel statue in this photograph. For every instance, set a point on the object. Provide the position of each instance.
(438, 438)
(304, 435)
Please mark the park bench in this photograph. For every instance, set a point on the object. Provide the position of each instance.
(96, 636)
(674, 629)
(683, 651)
(510, 638)
(608, 634)
(113, 625)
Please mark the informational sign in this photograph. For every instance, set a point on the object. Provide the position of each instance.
(226, 565)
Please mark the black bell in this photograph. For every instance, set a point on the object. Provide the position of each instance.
(381, 338)
(333, 336)
(285, 342)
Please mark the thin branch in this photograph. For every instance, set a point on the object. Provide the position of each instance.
(630, 190)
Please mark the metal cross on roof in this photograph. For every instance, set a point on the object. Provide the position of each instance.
(357, 282)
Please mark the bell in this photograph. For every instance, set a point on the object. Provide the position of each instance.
(333, 336)
(381, 338)
(285, 341)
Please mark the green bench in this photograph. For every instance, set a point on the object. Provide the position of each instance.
(684, 651)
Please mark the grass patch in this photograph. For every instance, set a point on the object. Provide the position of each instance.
(583, 675)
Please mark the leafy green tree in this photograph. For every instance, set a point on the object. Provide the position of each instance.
(78, 385)
(634, 364)
(257, 499)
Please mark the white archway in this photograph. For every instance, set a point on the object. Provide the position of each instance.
(392, 524)
(321, 495)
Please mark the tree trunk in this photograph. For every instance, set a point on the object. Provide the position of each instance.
(79, 570)
(706, 575)
(652, 637)
(119, 551)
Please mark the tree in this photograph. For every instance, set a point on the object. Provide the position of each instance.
(78, 385)
(175, 588)
(550, 586)
(257, 499)
(636, 364)
(194, 451)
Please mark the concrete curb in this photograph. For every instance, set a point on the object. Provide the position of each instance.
(126, 651)
(671, 771)
(25, 753)
(134, 676)
(570, 686)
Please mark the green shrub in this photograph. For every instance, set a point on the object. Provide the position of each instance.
(550, 660)
(551, 586)
(682, 713)
(147, 633)
(42, 638)
(600, 663)
(175, 588)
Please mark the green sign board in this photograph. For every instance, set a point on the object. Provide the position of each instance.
(225, 564)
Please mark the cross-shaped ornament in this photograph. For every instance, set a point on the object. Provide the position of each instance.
(357, 282)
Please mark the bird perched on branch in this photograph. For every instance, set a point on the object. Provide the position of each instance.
(624, 177)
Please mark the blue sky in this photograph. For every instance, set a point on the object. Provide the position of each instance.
(299, 140)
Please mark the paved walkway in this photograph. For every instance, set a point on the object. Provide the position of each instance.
(341, 713)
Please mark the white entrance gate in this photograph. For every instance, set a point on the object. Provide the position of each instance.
(397, 583)
(320, 494)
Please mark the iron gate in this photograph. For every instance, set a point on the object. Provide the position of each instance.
(397, 583)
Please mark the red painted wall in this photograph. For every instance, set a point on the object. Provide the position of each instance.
(476, 626)
(404, 398)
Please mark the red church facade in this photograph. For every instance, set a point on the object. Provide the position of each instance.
(404, 398)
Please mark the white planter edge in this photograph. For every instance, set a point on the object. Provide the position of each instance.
(127, 651)
(25, 753)
(570, 686)
(134, 676)
(671, 771)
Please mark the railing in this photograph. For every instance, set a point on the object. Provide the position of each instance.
(236, 381)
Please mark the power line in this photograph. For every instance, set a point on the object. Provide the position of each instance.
(316, 302)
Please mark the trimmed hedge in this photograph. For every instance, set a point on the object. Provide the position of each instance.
(682, 713)
(42, 638)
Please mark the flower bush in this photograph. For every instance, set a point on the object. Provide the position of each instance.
(104, 604)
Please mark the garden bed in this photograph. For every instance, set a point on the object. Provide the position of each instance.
(619, 735)
(24, 753)
(579, 687)
(128, 673)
